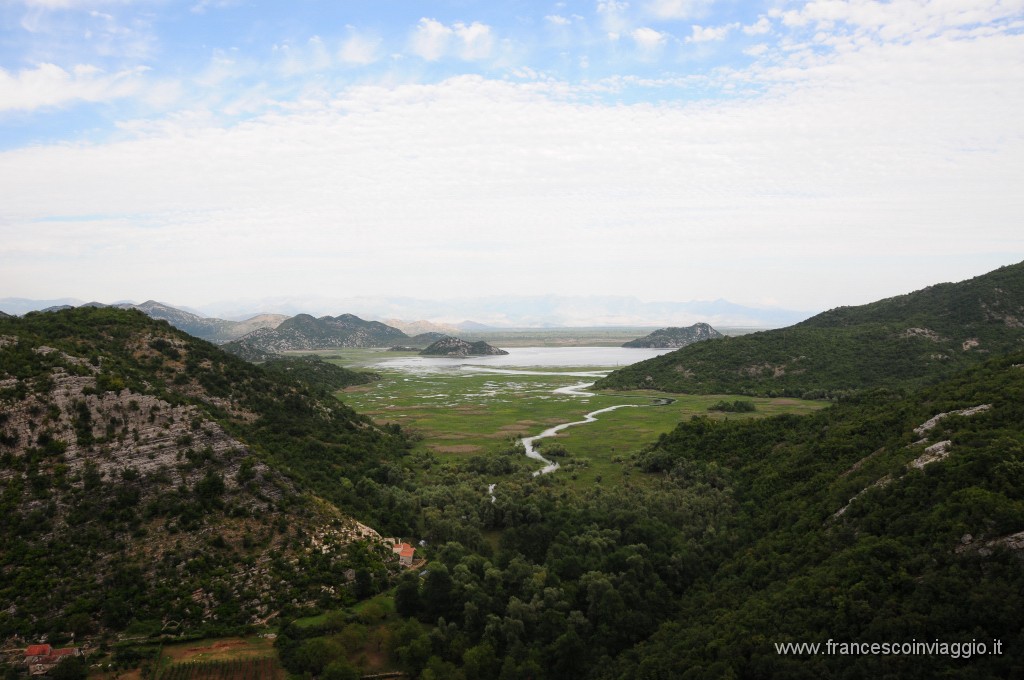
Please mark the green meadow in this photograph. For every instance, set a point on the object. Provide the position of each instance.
(460, 413)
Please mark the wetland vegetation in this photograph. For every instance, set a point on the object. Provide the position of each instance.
(462, 410)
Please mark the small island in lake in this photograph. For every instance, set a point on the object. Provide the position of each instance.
(675, 337)
(449, 346)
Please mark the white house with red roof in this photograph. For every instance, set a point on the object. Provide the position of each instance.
(405, 553)
(42, 659)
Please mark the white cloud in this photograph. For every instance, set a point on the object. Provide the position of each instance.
(899, 18)
(902, 149)
(613, 18)
(762, 26)
(51, 85)
(64, 4)
(433, 40)
(710, 33)
(557, 20)
(359, 49)
(910, 143)
(430, 39)
(203, 5)
(313, 56)
(477, 40)
(648, 39)
(678, 9)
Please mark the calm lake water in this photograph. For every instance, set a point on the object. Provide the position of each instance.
(528, 357)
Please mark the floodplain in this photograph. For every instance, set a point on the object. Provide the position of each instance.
(459, 408)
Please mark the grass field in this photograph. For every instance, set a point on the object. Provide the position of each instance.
(220, 649)
(251, 658)
(262, 668)
(457, 414)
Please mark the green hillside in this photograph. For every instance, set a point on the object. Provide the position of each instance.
(900, 341)
(146, 476)
(317, 373)
(850, 525)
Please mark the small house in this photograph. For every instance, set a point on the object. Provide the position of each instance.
(41, 659)
(405, 553)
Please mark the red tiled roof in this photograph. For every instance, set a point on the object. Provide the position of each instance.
(407, 550)
(38, 650)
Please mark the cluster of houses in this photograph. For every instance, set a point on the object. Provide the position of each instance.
(42, 659)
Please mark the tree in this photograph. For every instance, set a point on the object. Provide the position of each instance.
(407, 595)
(340, 670)
(437, 592)
(75, 668)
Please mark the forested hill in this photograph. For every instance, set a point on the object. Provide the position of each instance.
(888, 518)
(147, 475)
(905, 340)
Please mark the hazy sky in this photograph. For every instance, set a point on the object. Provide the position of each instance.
(789, 153)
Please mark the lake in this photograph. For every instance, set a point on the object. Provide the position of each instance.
(527, 357)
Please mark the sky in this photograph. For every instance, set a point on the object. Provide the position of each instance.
(802, 155)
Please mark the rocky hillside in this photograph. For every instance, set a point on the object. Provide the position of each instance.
(305, 332)
(901, 341)
(148, 476)
(449, 346)
(675, 337)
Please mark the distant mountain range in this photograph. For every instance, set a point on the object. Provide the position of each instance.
(268, 333)
(905, 340)
(422, 327)
(518, 311)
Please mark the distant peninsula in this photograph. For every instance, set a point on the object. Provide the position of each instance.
(675, 337)
(449, 346)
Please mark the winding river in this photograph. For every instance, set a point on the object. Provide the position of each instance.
(576, 390)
